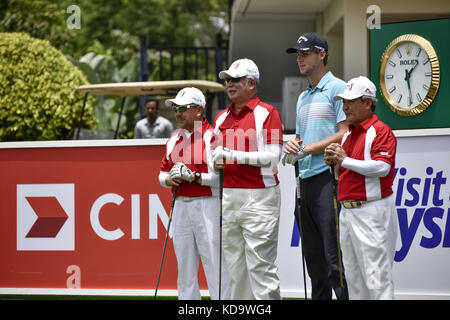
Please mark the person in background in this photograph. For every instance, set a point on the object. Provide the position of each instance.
(154, 125)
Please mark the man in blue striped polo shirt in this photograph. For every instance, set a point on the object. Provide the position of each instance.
(320, 121)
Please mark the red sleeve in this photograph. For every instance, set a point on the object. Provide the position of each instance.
(384, 146)
(273, 128)
(166, 164)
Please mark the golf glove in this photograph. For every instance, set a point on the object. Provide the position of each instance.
(179, 170)
(220, 153)
(292, 158)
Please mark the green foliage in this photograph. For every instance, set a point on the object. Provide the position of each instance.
(42, 19)
(105, 48)
(101, 68)
(38, 100)
(117, 24)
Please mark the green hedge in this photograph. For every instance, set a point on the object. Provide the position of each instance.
(37, 96)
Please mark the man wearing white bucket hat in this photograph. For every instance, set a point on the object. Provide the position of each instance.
(187, 164)
(368, 222)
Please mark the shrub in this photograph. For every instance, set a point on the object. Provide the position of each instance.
(38, 100)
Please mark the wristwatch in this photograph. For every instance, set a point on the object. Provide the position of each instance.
(302, 149)
(197, 176)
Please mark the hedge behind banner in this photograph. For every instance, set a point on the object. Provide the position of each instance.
(38, 100)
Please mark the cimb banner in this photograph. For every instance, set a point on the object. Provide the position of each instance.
(84, 217)
(93, 216)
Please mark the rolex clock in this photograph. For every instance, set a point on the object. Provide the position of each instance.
(409, 75)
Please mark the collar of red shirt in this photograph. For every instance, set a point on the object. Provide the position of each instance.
(251, 104)
(366, 124)
(201, 129)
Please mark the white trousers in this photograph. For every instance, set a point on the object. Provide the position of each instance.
(196, 232)
(250, 238)
(368, 236)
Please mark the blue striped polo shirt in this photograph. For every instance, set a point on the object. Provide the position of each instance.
(317, 118)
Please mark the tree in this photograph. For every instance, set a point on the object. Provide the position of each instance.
(111, 29)
(41, 19)
(38, 100)
(166, 22)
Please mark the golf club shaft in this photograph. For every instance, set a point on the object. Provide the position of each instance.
(165, 240)
(220, 231)
(336, 218)
(299, 224)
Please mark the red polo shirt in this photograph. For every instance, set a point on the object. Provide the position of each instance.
(370, 140)
(190, 149)
(256, 125)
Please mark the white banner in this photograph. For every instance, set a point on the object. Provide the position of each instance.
(422, 189)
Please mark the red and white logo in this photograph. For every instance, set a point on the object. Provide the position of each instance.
(45, 217)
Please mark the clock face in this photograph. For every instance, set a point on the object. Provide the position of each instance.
(409, 75)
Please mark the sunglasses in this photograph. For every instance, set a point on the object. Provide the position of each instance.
(234, 80)
(181, 109)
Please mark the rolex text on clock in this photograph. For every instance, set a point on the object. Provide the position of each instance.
(409, 75)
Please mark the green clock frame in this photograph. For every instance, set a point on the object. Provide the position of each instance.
(437, 114)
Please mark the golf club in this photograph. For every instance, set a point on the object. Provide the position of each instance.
(165, 240)
(337, 226)
(220, 232)
(299, 224)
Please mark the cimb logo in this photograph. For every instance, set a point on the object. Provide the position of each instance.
(46, 217)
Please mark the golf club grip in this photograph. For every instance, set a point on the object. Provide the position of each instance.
(297, 179)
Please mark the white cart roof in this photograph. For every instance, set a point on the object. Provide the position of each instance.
(128, 89)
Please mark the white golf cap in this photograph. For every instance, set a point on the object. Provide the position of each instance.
(357, 87)
(241, 68)
(188, 96)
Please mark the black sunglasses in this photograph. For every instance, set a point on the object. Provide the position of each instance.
(181, 109)
(234, 80)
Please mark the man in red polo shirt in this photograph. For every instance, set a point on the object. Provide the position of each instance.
(250, 138)
(368, 221)
(187, 163)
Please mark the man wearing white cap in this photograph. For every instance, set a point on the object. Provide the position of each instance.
(250, 140)
(187, 163)
(368, 222)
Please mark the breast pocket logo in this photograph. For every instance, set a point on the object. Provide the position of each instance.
(45, 217)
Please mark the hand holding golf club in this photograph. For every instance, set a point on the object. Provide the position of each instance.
(293, 151)
(219, 155)
(180, 171)
(292, 158)
(334, 154)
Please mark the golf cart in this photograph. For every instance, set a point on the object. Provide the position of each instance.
(150, 88)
